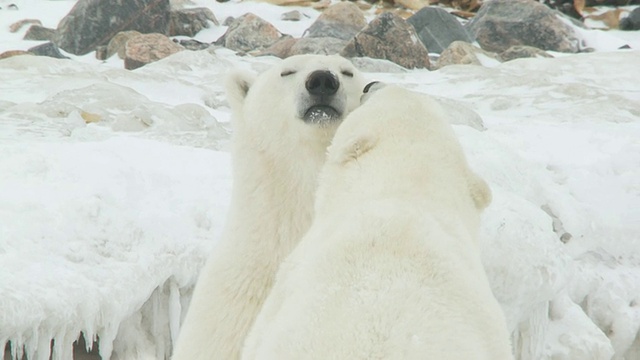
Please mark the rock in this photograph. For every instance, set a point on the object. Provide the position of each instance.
(437, 29)
(39, 33)
(281, 48)
(146, 48)
(92, 23)
(188, 22)
(290, 46)
(501, 24)
(389, 37)
(342, 20)
(318, 45)
(249, 32)
(376, 65)
(521, 51)
(47, 49)
(193, 45)
(118, 42)
(631, 22)
(294, 15)
(12, 53)
(463, 53)
(101, 52)
(16, 26)
(228, 21)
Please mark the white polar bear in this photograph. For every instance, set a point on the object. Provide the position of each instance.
(390, 268)
(283, 121)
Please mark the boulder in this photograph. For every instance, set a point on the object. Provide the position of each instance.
(249, 32)
(521, 51)
(631, 22)
(501, 24)
(118, 42)
(16, 26)
(437, 28)
(146, 48)
(188, 22)
(39, 33)
(342, 20)
(47, 49)
(389, 37)
(92, 23)
(463, 53)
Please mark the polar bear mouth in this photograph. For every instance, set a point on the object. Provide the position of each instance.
(319, 114)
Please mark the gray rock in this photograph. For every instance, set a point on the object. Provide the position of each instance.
(288, 46)
(146, 48)
(293, 15)
(92, 23)
(342, 20)
(193, 45)
(318, 45)
(376, 65)
(521, 51)
(389, 37)
(437, 29)
(39, 33)
(631, 22)
(47, 49)
(462, 53)
(188, 22)
(501, 24)
(249, 32)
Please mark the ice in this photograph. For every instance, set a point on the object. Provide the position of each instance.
(114, 185)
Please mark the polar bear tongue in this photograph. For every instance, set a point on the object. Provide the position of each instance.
(320, 114)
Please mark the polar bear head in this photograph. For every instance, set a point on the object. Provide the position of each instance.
(398, 144)
(295, 105)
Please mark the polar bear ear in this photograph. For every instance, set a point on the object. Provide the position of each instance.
(480, 191)
(354, 148)
(237, 86)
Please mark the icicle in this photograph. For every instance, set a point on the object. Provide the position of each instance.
(43, 348)
(175, 312)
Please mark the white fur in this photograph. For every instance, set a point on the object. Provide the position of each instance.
(390, 268)
(276, 160)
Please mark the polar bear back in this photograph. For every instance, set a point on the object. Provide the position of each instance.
(390, 268)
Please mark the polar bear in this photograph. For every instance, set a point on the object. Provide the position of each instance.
(390, 268)
(283, 121)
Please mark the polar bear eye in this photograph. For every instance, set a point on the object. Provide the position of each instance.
(347, 73)
(287, 73)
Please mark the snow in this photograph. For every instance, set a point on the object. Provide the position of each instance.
(105, 225)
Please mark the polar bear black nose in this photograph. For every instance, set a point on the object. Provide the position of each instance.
(322, 82)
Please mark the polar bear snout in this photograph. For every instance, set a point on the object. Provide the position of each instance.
(322, 83)
(323, 102)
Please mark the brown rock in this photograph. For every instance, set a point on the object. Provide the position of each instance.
(342, 20)
(188, 22)
(320, 45)
(39, 33)
(520, 51)
(16, 26)
(118, 42)
(389, 37)
(501, 24)
(462, 53)
(249, 32)
(147, 48)
(281, 48)
(12, 53)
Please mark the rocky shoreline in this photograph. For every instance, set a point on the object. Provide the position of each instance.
(409, 34)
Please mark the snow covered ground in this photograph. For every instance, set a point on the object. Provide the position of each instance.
(114, 185)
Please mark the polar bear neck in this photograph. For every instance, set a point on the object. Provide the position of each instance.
(273, 193)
